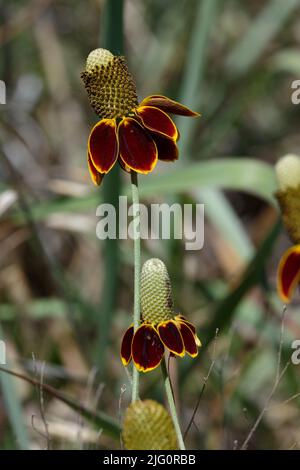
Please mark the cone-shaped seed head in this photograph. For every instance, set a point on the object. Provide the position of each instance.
(148, 426)
(110, 87)
(288, 196)
(156, 294)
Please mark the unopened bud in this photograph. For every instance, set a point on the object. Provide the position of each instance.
(148, 426)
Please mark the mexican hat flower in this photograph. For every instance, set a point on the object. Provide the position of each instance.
(132, 133)
(148, 426)
(160, 329)
(288, 196)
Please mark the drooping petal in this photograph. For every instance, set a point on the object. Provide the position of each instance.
(167, 148)
(171, 337)
(95, 175)
(168, 105)
(126, 346)
(147, 348)
(103, 145)
(189, 339)
(288, 273)
(157, 120)
(123, 166)
(137, 148)
(181, 318)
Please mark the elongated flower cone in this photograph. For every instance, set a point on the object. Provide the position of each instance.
(109, 84)
(156, 294)
(148, 426)
(288, 196)
(160, 328)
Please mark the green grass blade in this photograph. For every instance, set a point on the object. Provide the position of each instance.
(262, 30)
(240, 174)
(192, 82)
(13, 408)
(195, 66)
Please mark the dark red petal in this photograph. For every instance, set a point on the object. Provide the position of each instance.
(188, 339)
(157, 121)
(123, 166)
(147, 348)
(171, 337)
(167, 148)
(137, 149)
(126, 346)
(288, 273)
(182, 319)
(103, 145)
(168, 105)
(95, 175)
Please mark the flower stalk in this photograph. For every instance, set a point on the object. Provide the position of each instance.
(172, 406)
(137, 274)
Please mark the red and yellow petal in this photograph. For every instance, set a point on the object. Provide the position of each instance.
(95, 175)
(189, 339)
(288, 273)
(126, 346)
(182, 319)
(168, 105)
(123, 166)
(147, 348)
(167, 148)
(103, 145)
(171, 337)
(137, 148)
(157, 120)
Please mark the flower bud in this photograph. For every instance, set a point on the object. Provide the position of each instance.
(148, 426)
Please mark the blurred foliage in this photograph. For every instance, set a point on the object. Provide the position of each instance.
(62, 313)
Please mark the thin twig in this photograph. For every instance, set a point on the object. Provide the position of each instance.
(205, 379)
(122, 391)
(37, 430)
(278, 378)
(265, 408)
(284, 310)
(41, 401)
(108, 424)
(42, 407)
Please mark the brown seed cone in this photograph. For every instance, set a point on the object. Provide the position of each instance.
(289, 202)
(148, 426)
(110, 86)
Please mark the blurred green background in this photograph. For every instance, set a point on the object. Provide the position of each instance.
(66, 297)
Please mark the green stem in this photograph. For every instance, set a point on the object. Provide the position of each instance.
(170, 397)
(111, 38)
(137, 273)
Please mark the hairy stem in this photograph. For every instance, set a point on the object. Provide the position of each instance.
(170, 397)
(137, 273)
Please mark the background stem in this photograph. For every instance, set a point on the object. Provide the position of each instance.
(137, 273)
(111, 38)
(172, 406)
